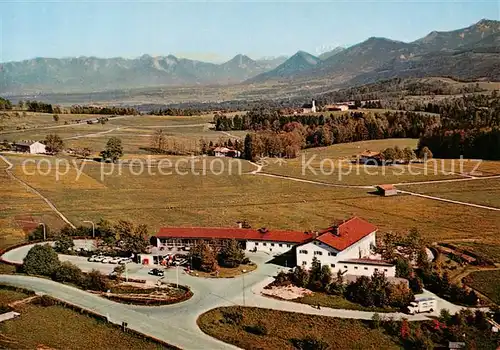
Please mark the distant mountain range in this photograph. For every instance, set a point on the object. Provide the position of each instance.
(468, 53)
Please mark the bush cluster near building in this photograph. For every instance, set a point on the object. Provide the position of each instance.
(468, 327)
(208, 257)
(409, 255)
(374, 291)
(42, 260)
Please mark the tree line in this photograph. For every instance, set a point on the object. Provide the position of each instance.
(42, 107)
(5, 104)
(470, 127)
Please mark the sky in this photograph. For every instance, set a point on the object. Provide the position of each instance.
(216, 31)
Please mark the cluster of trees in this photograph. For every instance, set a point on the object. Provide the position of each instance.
(367, 291)
(5, 104)
(43, 260)
(41, 107)
(285, 134)
(470, 126)
(122, 236)
(77, 109)
(470, 327)
(113, 150)
(207, 257)
(285, 144)
(409, 255)
(53, 144)
(207, 147)
(186, 112)
(162, 144)
(397, 154)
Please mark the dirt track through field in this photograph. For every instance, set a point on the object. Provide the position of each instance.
(259, 172)
(33, 190)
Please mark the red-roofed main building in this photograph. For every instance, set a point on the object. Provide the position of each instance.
(344, 246)
(273, 241)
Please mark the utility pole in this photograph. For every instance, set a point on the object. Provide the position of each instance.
(44, 231)
(93, 227)
(177, 275)
(243, 279)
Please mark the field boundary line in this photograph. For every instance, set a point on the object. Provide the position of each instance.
(35, 191)
(449, 200)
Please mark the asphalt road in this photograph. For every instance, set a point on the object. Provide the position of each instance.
(176, 324)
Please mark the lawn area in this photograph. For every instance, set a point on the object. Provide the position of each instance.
(486, 282)
(20, 209)
(12, 120)
(333, 164)
(59, 328)
(226, 272)
(282, 329)
(483, 192)
(7, 296)
(222, 200)
(336, 302)
(134, 131)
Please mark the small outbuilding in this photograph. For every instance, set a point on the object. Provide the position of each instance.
(387, 190)
(33, 147)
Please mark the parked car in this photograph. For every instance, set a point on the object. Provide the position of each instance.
(125, 261)
(156, 272)
(107, 259)
(92, 258)
(115, 260)
(99, 258)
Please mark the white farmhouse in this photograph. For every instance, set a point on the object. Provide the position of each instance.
(345, 247)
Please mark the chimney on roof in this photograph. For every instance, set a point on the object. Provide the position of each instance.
(263, 230)
(240, 224)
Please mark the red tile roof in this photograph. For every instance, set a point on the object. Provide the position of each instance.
(236, 233)
(386, 187)
(346, 234)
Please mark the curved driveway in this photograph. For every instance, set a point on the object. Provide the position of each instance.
(176, 324)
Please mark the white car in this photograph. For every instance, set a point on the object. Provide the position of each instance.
(98, 258)
(125, 260)
(106, 260)
(116, 260)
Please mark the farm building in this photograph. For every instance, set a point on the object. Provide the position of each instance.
(387, 190)
(309, 107)
(345, 246)
(226, 152)
(33, 147)
(337, 107)
(370, 158)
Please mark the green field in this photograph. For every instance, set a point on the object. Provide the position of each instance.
(222, 200)
(483, 192)
(282, 328)
(56, 327)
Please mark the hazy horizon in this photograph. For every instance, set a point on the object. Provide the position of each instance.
(215, 31)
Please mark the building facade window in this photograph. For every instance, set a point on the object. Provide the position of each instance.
(332, 265)
(304, 263)
(281, 245)
(256, 243)
(264, 244)
(345, 266)
(355, 267)
(332, 254)
(303, 251)
(366, 268)
(317, 252)
(272, 244)
(288, 246)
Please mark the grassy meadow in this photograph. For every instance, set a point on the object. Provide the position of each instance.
(161, 197)
(282, 329)
(486, 282)
(55, 327)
